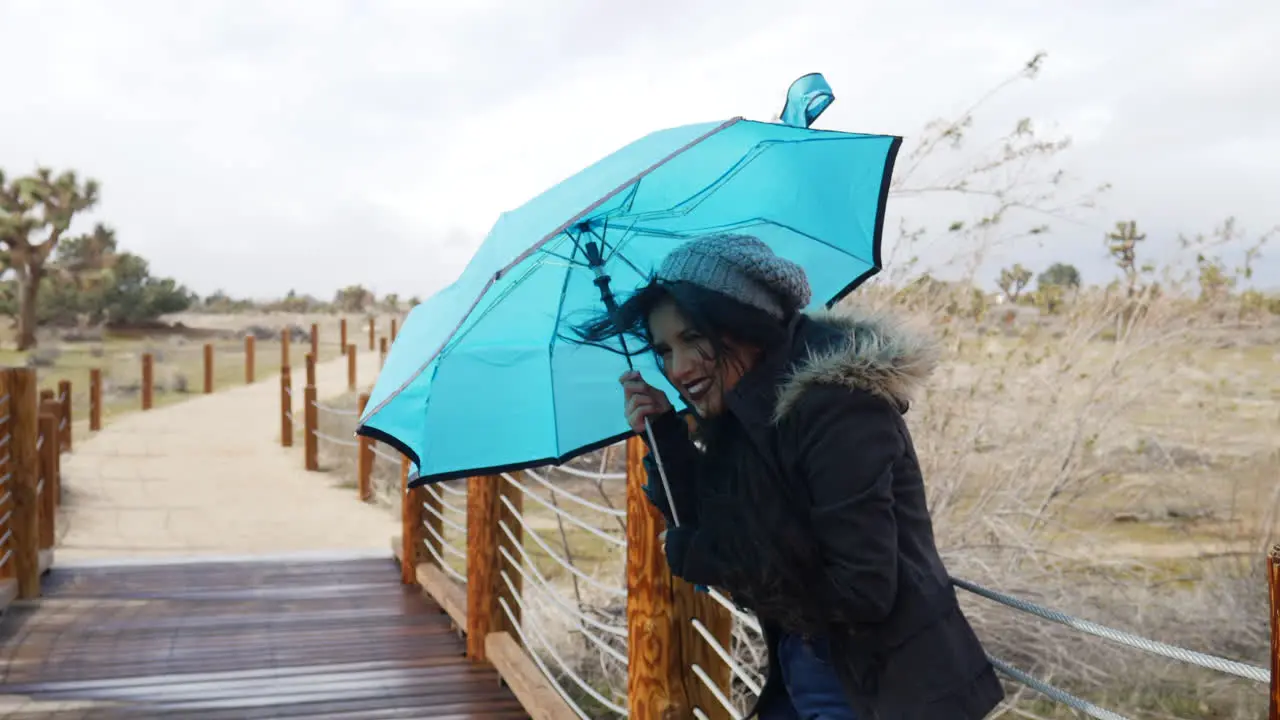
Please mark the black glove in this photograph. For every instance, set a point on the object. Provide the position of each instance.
(691, 557)
(678, 541)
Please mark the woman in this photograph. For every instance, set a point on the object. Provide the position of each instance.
(805, 500)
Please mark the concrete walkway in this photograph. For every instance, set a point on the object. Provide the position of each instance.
(207, 477)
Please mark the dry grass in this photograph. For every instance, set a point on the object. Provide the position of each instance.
(1126, 476)
(178, 369)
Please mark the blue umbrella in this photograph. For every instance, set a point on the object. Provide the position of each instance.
(479, 379)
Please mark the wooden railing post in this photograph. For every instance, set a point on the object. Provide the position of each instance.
(486, 589)
(62, 431)
(286, 407)
(95, 399)
(342, 334)
(373, 331)
(1273, 583)
(393, 329)
(249, 346)
(310, 418)
(208, 368)
(47, 485)
(148, 381)
(315, 339)
(7, 546)
(25, 522)
(510, 518)
(410, 527)
(351, 368)
(482, 554)
(654, 686)
(382, 352)
(286, 336)
(364, 458)
(414, 537)
(64, 414)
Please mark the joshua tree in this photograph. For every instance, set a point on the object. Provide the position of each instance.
(87, 259)
(35, 212)
(1013, 280)
(1122, 243)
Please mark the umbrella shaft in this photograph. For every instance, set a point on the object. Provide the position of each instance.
(596, 263)
(662, 472)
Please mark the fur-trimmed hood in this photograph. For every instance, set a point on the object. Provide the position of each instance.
(861, 350)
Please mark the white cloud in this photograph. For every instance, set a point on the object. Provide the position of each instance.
(254, 146)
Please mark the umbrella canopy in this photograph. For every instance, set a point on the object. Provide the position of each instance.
(479, 379)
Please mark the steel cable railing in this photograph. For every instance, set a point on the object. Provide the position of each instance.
(451, 537)
(586, 661)
(750, 682)
(334, 440)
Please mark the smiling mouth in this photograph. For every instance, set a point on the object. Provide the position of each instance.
(698, 389)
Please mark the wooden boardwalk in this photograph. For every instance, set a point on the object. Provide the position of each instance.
(337, 638)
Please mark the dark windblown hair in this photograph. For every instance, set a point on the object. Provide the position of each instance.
(714, 315)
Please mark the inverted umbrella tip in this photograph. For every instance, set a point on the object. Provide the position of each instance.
(807, 98)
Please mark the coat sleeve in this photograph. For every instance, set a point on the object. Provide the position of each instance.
(849, 442)
(680, 460)
(692, 556)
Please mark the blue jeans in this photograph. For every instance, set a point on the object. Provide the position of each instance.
(813, 688)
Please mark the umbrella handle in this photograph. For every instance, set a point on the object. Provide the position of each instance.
(662, 472)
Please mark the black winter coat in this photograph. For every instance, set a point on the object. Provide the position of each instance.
(818, 428)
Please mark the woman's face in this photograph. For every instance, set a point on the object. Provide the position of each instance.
(689, 360)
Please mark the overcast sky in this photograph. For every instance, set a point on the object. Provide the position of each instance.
(259, 146)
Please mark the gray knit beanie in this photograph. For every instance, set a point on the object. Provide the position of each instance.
(742, 267)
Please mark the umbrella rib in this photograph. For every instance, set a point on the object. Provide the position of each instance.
(617, 253)
(652, 232)
(569, 223)
(558, 256)
(690, 203)
(609, 195)
(551, 343)
(684, 207)
(505, 293)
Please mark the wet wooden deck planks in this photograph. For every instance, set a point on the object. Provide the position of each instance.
(314, 639)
